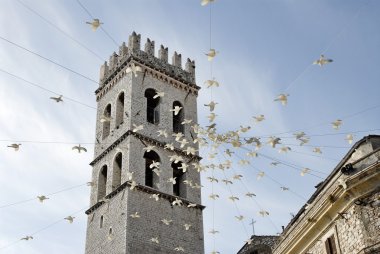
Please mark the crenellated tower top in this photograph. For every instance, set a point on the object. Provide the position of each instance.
(147, 57)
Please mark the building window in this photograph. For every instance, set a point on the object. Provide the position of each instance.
(330, 245)
(106, 121)
(178, 119)
(151, 179)
(179, 186)
(101, 221)
(120, 109)
(117, 167)
(102, 182)
(152, 107)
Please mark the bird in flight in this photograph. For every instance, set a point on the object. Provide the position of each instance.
(206, 2)
(105, 119)
(284, 188)
(187, 226)
(166, 221)
(259, 118)
(27, 238)
(186, 121)
(148, 148)
(349, 138)
(172, 180)
(284, 149)
(154, 164)
(213, 231)
(42, 198)
(211, 83)
(79, 148)
(211, 105)
(336, 124)
(240, 217)
(322, 61)
(137, 128)
(263, 213)
(233, 198)
(155, 196)
(15, 146)
(134, 69)
(260, 175)
(135, 215)
(179, 248)
(273, 141)
(211, 54)
(95, 24)
(317, 150)
(70, 219)
(283, 98)
(162, 133)
(250, 194)
(191, 205)
(155, 239)
(158, 94)
(305, 171)
(57, 99)
(176, 110)
(177, 202)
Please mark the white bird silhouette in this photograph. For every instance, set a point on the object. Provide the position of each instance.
(211, 117)
(190, 150)
(16, 147)
(155, 196)
(42, 198)
(317, 150)
(70, 219)
(322, 61)
(252, 154)
(169, 146)
(211, 83)
(105, 118)
(162, 133)
(336, 124)
(187, 226)
(135, 215)
(191, 205)
(176, 110)
(240, 217)
(134, 69)
(274, 163)
(155, 239)
(349, 138)
(177, 202)
(211, 54)
(259, 118)
(133, 185)
(186, 121)
(158, 94)
(57, 99)
(206, 2)
(178, 136)
(154, 164)
(157, 171)
(183, 142)
(250, 194)
(284, 149)
(172, 180)
(213, 231)
(273, 141)
(263, 213)
(214, 196)
(179, 248)
(226, 181)
(237, 177)
(233, 198)
(284, 188)
(184, 167)
(137, 128)
(166, 221)
(305, 171)
(283, 98)
(211, 105)
(260, 175)
(130, 176)
(27, 238)
(94, 24)
(79, 148)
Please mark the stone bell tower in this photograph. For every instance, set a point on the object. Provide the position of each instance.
(144, 198)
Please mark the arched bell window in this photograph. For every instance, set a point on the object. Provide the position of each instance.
(152, 106)
(120, 109)
(102, 182)
(179, 186)
(178, 119)
(117, 167)
(106, 121)
(151, 178)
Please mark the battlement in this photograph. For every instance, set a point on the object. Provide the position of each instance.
(147, 57)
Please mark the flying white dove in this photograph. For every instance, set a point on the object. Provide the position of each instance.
(15, 146)
(250, 194)
(172, 180)
(317, 150)
(148, 148)
(176, 110)
(155, 239)
(336, 124)
(158, 94)
(70, 219)
(284, 149)
(284, 188)
(104, 119)
(186, 121)
(57, 99)
(169, 146)
(283, 98)
(233, 198)
(154, 164)
(260, 175)
(42, 198)
(305, 171)
(259, 118)
(211, 54)
(155, 196)
(94, 24)
(211, 83)
(134, 69)
(162, 133)
(211, 105)
(157, 171)
(240, 217)
(187, 226)
(166, 221)
(177, 202)
(137, 128)
(263, 213)
(206, 2)
(273, 141)
(135, 215)
(27, 238)
(179, 248)
(349, 138)
(79, 148)
(322, 61)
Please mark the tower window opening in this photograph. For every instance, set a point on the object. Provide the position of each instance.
(152, 107)
(178, 187)
(151, 179)
(101, 221)
(102, 182)
(178, 119)
(117, 168)
(330, 245)
(107, 122)
(120, 109)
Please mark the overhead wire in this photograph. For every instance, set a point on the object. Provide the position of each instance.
(47, 59)
(60, 30)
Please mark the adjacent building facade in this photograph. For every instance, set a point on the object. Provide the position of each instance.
(343, 215)
(136, 155)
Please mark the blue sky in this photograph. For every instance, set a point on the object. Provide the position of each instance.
(266, 48)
